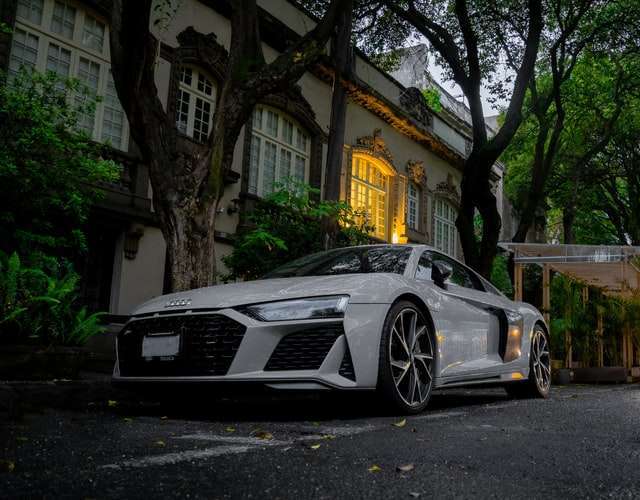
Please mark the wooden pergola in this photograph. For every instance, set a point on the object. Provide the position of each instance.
(613, 269)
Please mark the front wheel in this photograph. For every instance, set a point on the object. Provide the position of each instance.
(539, 382)
(406, 362)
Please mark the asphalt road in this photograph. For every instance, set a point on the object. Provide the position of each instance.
(582, 442)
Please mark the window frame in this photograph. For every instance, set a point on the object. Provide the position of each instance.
(415, 198)
(194, 94)
(260, 136)
(46, 36)
(448, 224)
(477, 281)
(368, 187)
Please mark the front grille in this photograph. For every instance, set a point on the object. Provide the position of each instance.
(208, 344)
(304, 350)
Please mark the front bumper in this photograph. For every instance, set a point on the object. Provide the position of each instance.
(302, 355)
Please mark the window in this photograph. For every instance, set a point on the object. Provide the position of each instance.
(423, 271)
(59, 60)
(24, 51)
(280, 149)
(30, 10)
(53, 35)
(445, 227)
(413, 206)
(196, 103)
(89, 75)
(355, 260)
(63, 20)
(460, 276)
(113, 118)
(93, 33)
(369, 190)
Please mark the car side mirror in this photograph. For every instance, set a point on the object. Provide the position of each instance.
(440, 272)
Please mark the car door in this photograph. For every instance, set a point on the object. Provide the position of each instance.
(469, 321)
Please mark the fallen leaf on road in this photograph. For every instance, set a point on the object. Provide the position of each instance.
(164, 417)
(160, 443)
(405, 468)
(374, 468)
(127, 420)
(7, 466)
(111, 403)
(314, 446)
(328, 436)
(414, 494)
(315, 423)
(230, 429)
(262, 434)
(402, 423)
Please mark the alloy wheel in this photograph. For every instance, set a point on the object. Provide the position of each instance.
(411, 357)
(541, 361)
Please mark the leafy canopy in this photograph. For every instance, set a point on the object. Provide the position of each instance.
(49, 170)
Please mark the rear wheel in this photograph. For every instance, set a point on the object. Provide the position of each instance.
(406, 359)
(539, 382)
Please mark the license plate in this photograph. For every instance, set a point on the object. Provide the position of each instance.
(160, 346)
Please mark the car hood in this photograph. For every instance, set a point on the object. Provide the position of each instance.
(362, 288)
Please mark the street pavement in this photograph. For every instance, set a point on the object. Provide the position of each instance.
(583, 442)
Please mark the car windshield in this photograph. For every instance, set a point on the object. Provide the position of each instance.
(358, 260)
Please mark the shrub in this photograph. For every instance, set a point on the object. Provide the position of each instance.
(49, 170)
(38, 307)
(287, 224)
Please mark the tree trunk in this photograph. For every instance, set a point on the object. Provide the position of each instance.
(187, 179)
(342, 56)
(191, 247)
(476, 193)
(538, 181)
(568, 218)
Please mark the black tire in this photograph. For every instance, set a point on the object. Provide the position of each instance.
(424, 346)
(533, 387)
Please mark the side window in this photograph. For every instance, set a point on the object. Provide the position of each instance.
(423, 271)
(460, 275)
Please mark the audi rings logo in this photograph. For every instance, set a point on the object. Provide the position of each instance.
(178, 303)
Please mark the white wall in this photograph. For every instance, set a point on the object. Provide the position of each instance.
(140, 279)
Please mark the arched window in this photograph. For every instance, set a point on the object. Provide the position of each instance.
(195, 104)
(445, 227)
(280, 149)
(370, 193)
(413, 206)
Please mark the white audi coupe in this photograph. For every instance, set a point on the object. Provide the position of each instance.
(401, 320)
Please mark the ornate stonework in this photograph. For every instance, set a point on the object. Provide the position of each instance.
(413, 102)
(417, 172)
(375, 145)
(202, 50)
(447, 189)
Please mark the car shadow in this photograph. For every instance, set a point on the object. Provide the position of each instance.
(289, 407)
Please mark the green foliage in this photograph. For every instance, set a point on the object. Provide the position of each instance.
(387, 61)
(500, 275)
(287, 224)
(41, 307)
(48, 169)
(432, 98)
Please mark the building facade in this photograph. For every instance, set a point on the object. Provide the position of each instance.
(402, 160)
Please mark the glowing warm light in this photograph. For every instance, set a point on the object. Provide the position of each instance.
(515, 332)
(517, 376)
(394, 238)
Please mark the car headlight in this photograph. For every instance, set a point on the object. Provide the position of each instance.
(297, 309)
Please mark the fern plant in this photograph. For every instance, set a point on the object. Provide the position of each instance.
(36, 306)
